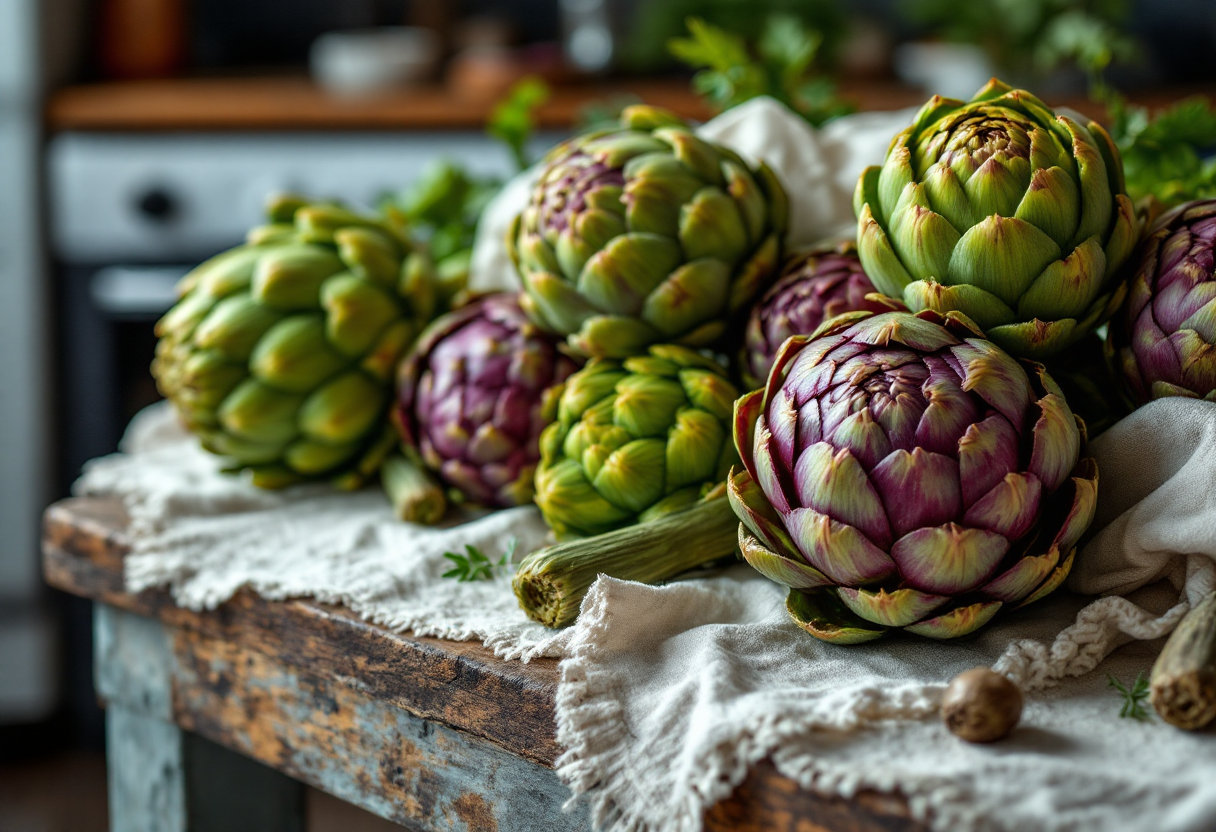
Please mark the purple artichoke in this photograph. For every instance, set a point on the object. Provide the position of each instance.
(900, 471)
(475, 394)
(1168, 338)
(816, 285)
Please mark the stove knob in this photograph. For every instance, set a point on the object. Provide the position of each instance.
(157, 205)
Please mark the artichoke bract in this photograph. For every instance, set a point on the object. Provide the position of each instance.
(635, 440)
(1002, 210)
(281, 353)
(646, 234)
(1167, 341)
(817, 284)
(475, 393)
(899, 471)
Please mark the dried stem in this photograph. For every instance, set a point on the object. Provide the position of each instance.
(1184, 676)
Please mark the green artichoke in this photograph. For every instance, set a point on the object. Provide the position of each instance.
(646, 234)
(902, 472)
(634, 440)
(281, 353)
(1002, 210)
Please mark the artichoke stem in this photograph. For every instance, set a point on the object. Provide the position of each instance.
(550, 583)
(1183, 683)
(415, 495)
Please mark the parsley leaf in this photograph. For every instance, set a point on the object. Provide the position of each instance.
(781, 67)
(1133, 697)
(514, 118)
(1168, 155)
(475, 566)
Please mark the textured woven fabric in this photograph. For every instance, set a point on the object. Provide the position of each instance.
(205, 535)
(669, 693)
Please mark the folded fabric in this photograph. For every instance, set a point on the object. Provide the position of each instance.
(1156, 513)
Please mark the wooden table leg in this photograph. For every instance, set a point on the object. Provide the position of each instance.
(164, 779)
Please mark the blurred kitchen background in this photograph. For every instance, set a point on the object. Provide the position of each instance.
(140, 136)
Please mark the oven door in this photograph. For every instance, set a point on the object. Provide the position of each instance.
(106, 347)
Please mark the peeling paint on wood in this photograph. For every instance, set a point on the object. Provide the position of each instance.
(363, 750)
(437, 734)
(145, 773)
(461, 684)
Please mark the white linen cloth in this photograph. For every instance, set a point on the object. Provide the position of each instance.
(668, 694)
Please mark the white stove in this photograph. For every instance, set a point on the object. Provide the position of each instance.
(118, 198)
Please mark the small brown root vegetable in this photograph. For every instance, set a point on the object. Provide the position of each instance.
(981, 705)
(1183, 682)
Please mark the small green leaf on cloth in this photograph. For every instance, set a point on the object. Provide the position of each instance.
(476, 566)
(1133, 697)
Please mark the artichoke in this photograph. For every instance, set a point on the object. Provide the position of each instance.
(1002, 210)
(634, 440)
(816, 284)
(900, 471)
(474, 395)
(280, 354)
(1167, 340)
(646, 234)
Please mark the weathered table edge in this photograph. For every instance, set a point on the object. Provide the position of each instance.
(460, 685)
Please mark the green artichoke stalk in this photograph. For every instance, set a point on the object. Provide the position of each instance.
(550, 583)
(899, 471)
(281, 353)
(646, 234)
(634, 440)
(415, 495)
(1002, 210)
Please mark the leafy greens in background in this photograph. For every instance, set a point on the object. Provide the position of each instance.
(658, 21)
(1028, 38)
(443, 206)
(1167, 155)
(513, 120)
(781, 66)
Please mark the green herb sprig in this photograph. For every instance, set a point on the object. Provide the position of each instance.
(1167, 155)
(442, 207)
(475, 566)
(782, 67)
(513, 120)
(1133, 697)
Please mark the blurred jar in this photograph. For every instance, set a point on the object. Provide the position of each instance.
(142, 38)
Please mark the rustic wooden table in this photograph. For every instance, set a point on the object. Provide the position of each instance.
(431, 734)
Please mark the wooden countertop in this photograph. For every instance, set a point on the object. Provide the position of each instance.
(290, 103)
(460, 685)
(295, 103)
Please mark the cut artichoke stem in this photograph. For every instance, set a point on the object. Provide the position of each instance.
(415, 495)
(550, 583)
(1183, 682)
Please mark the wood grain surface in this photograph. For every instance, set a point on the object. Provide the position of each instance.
(298, 104)
(295, 103)
(459, 685)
